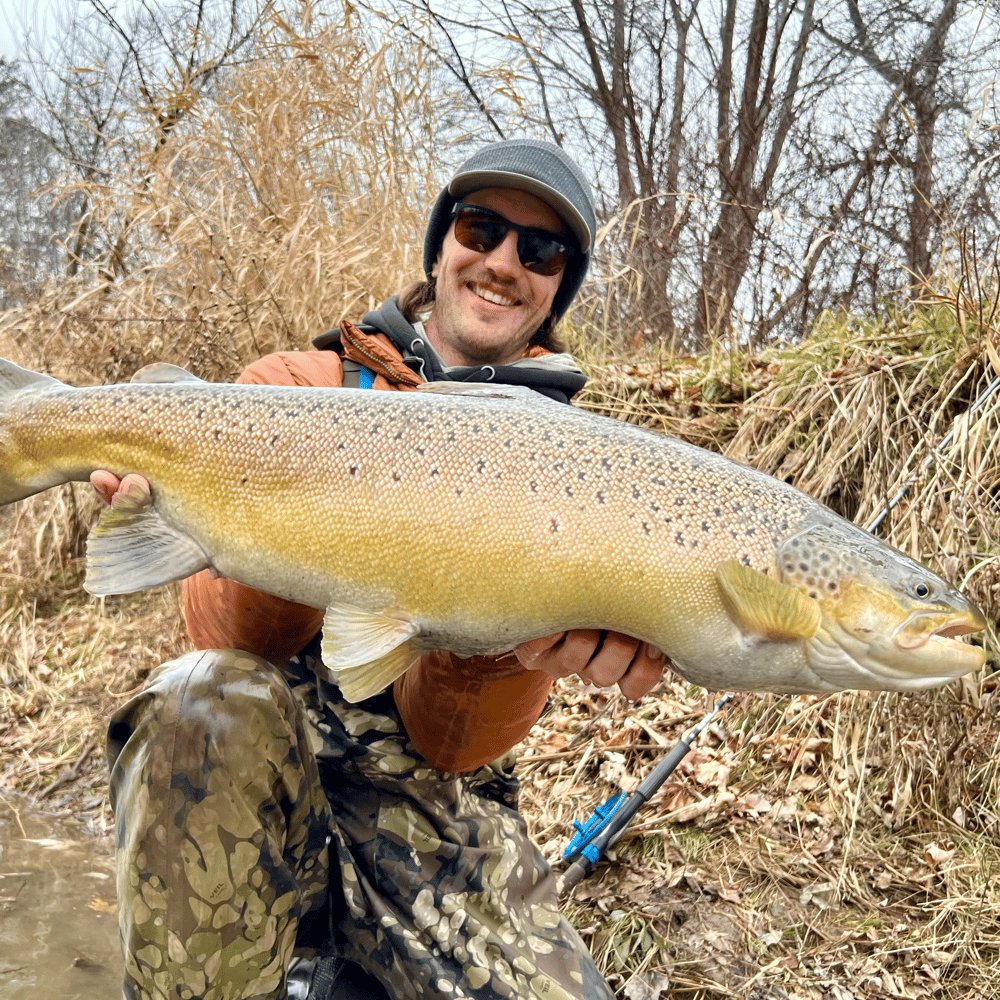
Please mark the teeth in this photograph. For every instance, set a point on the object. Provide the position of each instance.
(495, 297)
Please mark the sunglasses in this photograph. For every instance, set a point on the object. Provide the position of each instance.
(483, 230)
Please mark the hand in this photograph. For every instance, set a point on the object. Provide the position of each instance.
(108, 485)
(601, 658)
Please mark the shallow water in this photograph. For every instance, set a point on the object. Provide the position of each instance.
(58, 922)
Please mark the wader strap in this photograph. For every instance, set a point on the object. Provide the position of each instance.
(357, 376)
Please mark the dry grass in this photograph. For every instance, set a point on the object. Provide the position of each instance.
(262, 222)
(815, 848)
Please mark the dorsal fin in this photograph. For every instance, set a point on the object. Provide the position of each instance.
(160, 371)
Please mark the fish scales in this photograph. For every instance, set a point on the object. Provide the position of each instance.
(459, 520)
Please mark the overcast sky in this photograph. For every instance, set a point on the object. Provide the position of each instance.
(17, 16)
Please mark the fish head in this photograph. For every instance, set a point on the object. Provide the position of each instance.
(887, 623)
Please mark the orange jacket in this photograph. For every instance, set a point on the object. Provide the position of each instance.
(461, 714)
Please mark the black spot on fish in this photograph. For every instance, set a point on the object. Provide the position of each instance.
(600, 496)
(553, 525)
(679, 538)
(353, 470)
(396, 477)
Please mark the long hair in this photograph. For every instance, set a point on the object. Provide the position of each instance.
(420, 297)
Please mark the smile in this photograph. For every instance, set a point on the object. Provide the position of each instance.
(495, 297)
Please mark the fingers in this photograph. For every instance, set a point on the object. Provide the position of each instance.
(530, 653)
(598, 657)
(106, 483)
(109, 486)
(644, 672)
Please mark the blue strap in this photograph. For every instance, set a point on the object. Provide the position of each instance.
(366, 378)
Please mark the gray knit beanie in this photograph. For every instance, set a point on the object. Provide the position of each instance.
(541, 169)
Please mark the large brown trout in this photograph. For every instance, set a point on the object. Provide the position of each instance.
(472, 519)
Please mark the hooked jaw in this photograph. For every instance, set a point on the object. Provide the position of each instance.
(925, 651)
(920, 628)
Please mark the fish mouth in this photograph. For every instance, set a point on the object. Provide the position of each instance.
(918, 629)
(933, 652)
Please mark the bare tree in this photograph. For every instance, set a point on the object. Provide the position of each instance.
(773, 157)
(28, 221)
(114, 90)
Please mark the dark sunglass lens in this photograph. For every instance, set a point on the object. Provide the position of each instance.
(481, 230)
(476, 232)
(541, 255)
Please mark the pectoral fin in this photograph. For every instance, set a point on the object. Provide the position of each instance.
(366, 652)
(764, 607)
(132, 547)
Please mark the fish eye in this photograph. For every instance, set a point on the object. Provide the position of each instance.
(922, 590)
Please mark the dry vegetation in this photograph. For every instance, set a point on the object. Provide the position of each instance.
(817, 848)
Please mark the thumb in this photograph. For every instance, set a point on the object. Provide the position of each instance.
(528, 653)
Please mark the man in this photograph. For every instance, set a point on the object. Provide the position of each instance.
(256, 811)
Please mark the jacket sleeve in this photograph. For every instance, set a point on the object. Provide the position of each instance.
(223, 614)
(461, 714)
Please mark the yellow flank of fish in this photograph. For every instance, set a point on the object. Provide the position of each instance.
(472, 520)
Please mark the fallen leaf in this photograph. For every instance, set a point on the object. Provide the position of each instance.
(647, 986)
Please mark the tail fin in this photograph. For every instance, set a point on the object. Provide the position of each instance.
(14, 381)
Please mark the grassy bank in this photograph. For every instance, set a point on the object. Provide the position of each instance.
(812, 847)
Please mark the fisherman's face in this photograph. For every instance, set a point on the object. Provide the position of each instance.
(488, 305)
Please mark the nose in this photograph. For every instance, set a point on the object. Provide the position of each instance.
(503, 258)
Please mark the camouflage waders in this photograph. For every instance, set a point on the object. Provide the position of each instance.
(248, 811)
